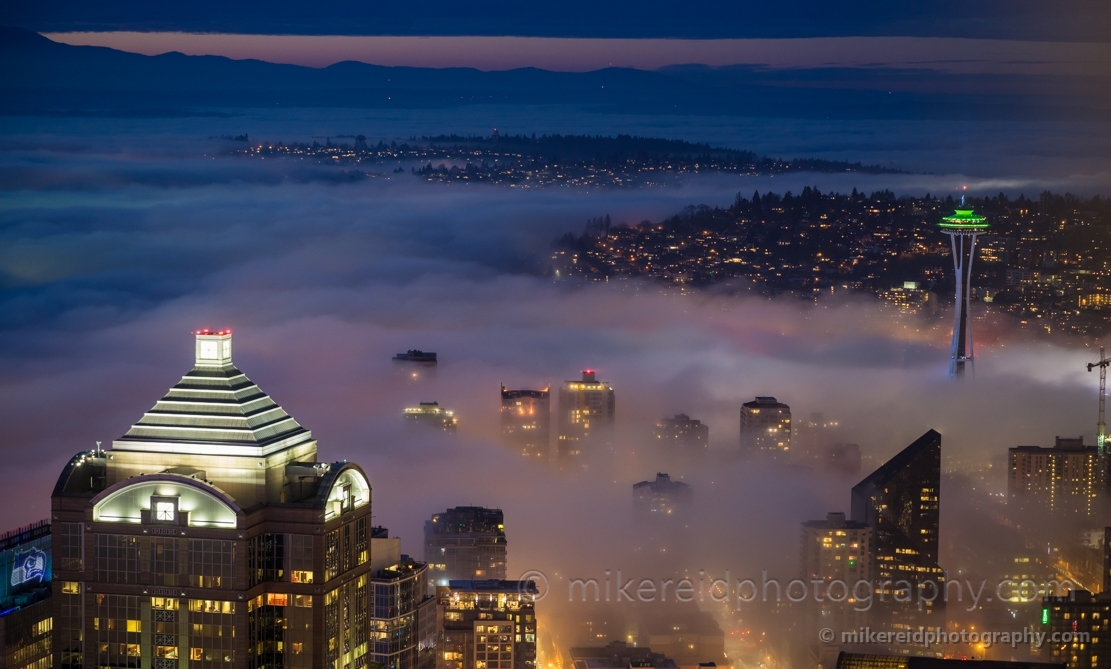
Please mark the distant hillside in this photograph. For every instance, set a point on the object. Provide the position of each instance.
(39, 76)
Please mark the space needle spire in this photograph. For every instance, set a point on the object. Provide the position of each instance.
(962, 227)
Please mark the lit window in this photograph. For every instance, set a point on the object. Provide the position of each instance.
(277, 599)
(71, 588)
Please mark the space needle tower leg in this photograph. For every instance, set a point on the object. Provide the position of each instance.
(958, 305)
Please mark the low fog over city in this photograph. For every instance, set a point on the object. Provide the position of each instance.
(760, 459)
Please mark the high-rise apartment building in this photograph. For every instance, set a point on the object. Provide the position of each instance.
(836, 549)
(766, 427)
(900, 502)
(487, 624)
(587, 410)
(210, 535)
(526, 421)
(1064, 479)
(682, 433)
(465, 543)
(26, 617)
(1086, 618)
(836, 553)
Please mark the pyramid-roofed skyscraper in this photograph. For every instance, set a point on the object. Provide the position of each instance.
(213, 530)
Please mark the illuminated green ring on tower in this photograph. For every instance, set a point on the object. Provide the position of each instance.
(964, 220)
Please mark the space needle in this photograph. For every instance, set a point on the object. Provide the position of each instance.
(962, 227)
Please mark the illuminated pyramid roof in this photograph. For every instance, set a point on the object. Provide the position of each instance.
(216, 410)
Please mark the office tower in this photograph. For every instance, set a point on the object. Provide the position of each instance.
(25, 604)
(1077, 612)
(586, 414)
(1064, 480)
(209, 534)
(662, 497)
(403, 612)
(834, 550)
(766, 427)
(526, 421)
(900, 502)
(465, 543)
(682, 433)
(962, 227)
(487, 624)
(432, 415)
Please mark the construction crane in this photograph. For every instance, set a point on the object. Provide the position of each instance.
(1101, 427)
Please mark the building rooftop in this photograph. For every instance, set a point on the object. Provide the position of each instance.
(466, 520)
(589, 381)
(618, 655)
(406, 567)
(663, 485)
(836, 521)
(495, 585)
(765, 402)
(214, 409)
(1072, 444)
(507, 394)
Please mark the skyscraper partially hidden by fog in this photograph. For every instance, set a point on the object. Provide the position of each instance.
(683, 433)
(661, 497)
(766, 427)
(900, 502)
(586, 414)
(836, 554)
(526, 421)
(465, 543)
(431, 414)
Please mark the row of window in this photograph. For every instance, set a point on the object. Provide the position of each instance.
(202, 563)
